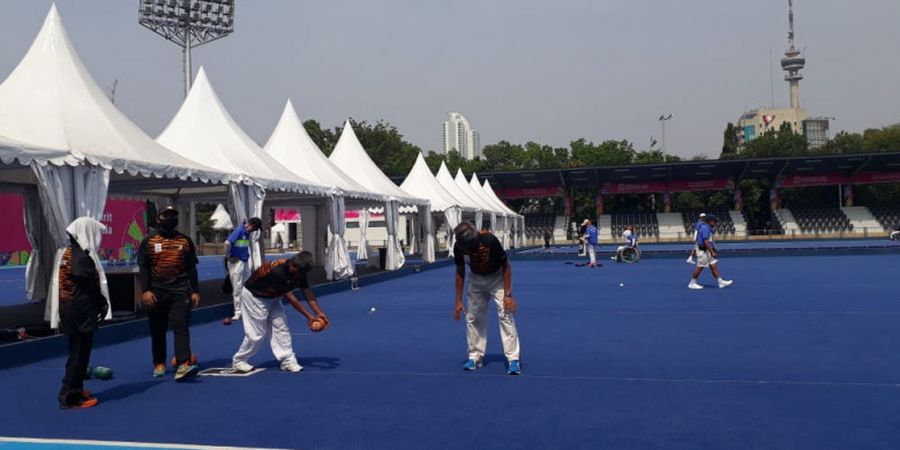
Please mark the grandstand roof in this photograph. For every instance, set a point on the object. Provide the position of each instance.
(702, 170)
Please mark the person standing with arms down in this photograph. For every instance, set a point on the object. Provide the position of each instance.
(590, 241)
(491, 279)
(237, 251)
(168, 275)
(707, 254)
(82, 304)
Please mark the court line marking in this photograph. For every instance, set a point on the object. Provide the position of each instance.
(624, 379)
(123, 444)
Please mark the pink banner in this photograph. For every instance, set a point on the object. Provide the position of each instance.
(286, 215)
(717, 184)
(355, 215)
(14, 246)
(545, 191)
(125, 221)
(634, 188)
(875, 177)
(825, 179)
(126, 226)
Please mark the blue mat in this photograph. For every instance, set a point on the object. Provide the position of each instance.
(799, 353)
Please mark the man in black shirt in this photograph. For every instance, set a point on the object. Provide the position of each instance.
(263, 312)
(168, 277)
(491, 279)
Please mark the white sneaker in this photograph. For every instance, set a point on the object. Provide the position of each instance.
(236, 317)
(724, 283)
(291, 365)
(694, 285)
(242, 367)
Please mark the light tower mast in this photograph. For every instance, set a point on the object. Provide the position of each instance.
(793, 62)
(189, 24)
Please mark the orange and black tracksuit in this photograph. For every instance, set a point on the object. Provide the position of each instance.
(81, 304)
(168, 268)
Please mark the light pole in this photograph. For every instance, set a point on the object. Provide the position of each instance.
(189, 24)
(662, 122)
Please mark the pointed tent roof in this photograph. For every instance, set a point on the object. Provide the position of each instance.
(493, 196)
(51, 101)
(446, 180)
(476, 187)
(464, 185)
(422, 182)
(291, 146)
(203, 131)
(350, 156)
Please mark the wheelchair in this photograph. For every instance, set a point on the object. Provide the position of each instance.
(629, 255)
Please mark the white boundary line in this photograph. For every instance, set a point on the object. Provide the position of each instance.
(121, 444)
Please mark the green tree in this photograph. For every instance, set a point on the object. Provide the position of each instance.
(503, 156)
(729, 142)
(324, 138)
(607, 153)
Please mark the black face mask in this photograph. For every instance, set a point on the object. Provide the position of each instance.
(168, 223)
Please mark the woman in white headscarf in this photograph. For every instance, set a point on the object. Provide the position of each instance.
(83, 302)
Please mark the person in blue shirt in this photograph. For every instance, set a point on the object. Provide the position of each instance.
(237, 253)
(630, 242)
(590, 241)
(693, 255)
(707, 254)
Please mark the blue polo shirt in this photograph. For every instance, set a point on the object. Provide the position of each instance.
(240, 244)
(592, 235)
(704, 233)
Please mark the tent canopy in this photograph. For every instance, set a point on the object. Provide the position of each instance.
(50, 101)
(464, 185)
(446, 180)
(292, 147)
(350, 156)
(493, 196)
(422, 182)
(205, 132)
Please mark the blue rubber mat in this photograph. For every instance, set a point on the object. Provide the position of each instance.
(799, 353)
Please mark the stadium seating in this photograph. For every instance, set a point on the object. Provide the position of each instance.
(645, 224)
(724, 224)
(821, 220)
(887, 216)
(536, 224)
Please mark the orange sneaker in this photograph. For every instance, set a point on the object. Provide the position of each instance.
(85, 402)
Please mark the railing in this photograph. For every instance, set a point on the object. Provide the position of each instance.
(752, 235)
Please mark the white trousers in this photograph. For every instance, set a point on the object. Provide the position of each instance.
(238, 272)
(592, 252)
(262, 317)
(481, 290)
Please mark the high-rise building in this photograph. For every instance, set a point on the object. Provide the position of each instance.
(458, 135)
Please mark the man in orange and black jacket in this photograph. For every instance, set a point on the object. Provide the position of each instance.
(168, 274)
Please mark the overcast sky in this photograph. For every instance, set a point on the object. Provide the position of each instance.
(520, 70)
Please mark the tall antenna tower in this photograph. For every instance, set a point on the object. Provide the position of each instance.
(793, 62)
(188, 23)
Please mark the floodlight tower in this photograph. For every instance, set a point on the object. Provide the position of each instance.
(793, 61)
(188, 23)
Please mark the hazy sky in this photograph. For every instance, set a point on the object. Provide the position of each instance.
(519, 70)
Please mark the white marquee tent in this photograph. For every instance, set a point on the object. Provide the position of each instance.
(203, 131)
(519, 220)
(501, 220)
(421, 181)
(350, 156)
(291, 146)
(483, 206)
(76, 141)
